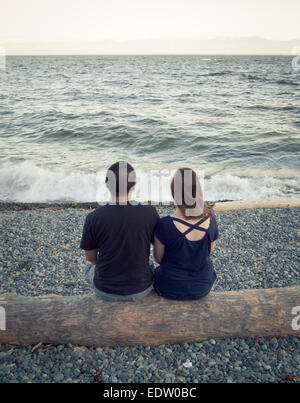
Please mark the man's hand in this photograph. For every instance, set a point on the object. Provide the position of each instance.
(91, 256)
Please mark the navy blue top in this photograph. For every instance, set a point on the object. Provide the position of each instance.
(186, 268)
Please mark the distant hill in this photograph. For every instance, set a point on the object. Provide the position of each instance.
(217, 45)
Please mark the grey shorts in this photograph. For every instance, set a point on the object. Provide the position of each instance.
(89, 276)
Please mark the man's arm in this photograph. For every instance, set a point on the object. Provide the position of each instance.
(91, 256)
(88, 243)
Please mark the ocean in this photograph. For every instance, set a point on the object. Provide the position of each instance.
(65, 119)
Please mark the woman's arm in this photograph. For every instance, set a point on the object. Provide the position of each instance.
(158, 250)
(212, 245)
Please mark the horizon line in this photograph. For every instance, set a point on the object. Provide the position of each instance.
(152, 54)
(203, 37)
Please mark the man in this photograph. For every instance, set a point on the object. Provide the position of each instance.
(116, 239)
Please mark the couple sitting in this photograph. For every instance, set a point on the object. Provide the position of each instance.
(116, 239)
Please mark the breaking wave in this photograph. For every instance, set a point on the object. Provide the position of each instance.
(26, 182)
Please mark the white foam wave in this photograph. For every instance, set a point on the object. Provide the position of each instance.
(233, 187)
(26, 182)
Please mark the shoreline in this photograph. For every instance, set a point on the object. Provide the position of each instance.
(220, 205)
(16, 206)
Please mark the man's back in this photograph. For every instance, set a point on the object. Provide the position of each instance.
(122, 233)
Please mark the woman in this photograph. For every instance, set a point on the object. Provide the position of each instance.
(183, 242)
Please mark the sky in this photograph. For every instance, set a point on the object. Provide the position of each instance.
(24, 21)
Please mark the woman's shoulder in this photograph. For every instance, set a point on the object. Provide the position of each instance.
(161, 230)
(164, 220)
(163, 223)
(213, 227)
(213, 217)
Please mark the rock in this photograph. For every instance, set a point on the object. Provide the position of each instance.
(187, 364)
(80, 350)
(58, 378)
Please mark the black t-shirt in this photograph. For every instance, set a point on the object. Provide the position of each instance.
(122, 233)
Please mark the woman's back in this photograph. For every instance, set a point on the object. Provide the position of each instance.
(186, 267)
(194, 230)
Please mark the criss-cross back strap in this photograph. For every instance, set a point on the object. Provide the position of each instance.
(192, 226)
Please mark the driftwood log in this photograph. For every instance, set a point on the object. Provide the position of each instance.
(260, 203)
(90, 321)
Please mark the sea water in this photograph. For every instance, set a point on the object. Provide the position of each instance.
(65, 119)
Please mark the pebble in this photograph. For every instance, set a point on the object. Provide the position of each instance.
(187, 364)
(44, 258)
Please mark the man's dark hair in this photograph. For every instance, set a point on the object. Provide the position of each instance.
(120, 178)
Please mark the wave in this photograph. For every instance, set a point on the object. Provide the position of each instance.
(286, 108)
(26, 182)
(233, 187)
(216, 73)
(286, 82)
(151, 122)
(280, 81)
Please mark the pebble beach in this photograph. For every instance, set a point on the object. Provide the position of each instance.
(40, 255)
